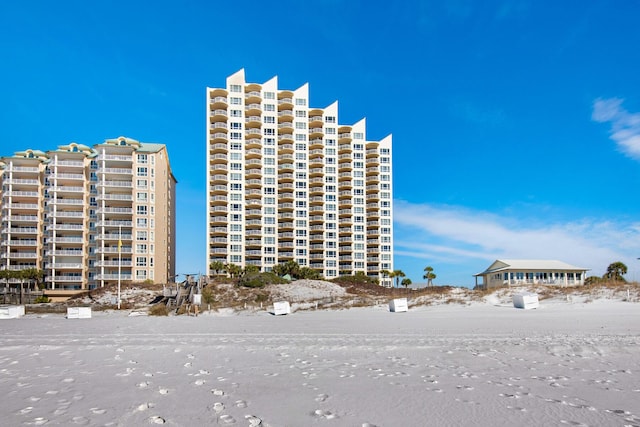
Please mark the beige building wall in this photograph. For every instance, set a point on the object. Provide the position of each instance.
(90, 216)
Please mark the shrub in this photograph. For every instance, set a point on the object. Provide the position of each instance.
(356, 279)
(159, 309)
(41, 299)
(259, 280)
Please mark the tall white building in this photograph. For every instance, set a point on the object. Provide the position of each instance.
(87, 216)
(289, 182)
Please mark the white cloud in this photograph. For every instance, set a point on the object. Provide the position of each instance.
(625, 126)
(456, 235)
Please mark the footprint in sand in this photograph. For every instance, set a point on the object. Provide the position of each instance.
(241, 404)
(26, 410)
(218, 407)
(217, 392)
(39, 421)
(321, 397)
(83, 421)
(145, 406)
(163, 391)
(156, 420)
(199, 382)
(98, 411)
(253, 420)
(68, 380)
(203, 372)
(143, 384)
(227, 419)
(320, 413)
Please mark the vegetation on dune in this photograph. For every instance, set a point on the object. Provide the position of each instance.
(429, 275)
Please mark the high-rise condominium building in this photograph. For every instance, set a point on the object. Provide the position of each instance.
(288, 182)
(87, 216)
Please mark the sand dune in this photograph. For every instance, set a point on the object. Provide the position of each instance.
(562, 364)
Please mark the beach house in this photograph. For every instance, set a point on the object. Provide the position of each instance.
(530, 272)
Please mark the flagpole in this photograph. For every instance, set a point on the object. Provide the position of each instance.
(119, 262)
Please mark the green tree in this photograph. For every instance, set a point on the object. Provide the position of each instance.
(290, 267)
(217, 267)
(615, 271)
(397, 274)
(251, 269)
(406, 282)
(309, 274)
(429, 275)
(234, 270)
(5, 275)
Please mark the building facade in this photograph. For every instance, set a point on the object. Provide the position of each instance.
(286, 181)
(89, 216)
(516, 272)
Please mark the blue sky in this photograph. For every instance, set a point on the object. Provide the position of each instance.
(516, 124)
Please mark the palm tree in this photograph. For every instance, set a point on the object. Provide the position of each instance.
(406, 282)
(615, 271)
(397, 274)
(384, 274)
(429, 275)
(217, 267)
(233, 270)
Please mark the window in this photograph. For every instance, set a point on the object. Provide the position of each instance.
(236, 101)
(141, 210)
(141, 248)
(358, 135)
(301, 113)
(269, 132)
(141, 197)
(269, 151)
(330, 119)
(141, 235)
(236, 135)
(142, 171)
(301, 125)
(142, 158)
(301, 137)
(330, 131)
(269, 95)
(236, 113)
(141, 274)
(235, 88)
(269, 119)
(301, 102)
(269, 107)
(236, 126)
(141, 261)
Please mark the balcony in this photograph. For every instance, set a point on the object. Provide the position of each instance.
(20, 255)
(218, 147)
(114, 184)
(64, 278)
(123, 276)
(115, 171)
(114, 250)
(64, 266)
(16, 181)
(217, 114)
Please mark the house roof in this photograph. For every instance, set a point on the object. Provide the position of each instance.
(529, 264)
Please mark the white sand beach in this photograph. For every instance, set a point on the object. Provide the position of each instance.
(450, 365)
